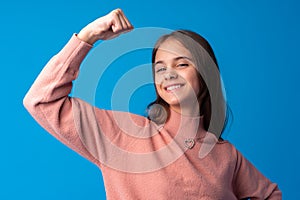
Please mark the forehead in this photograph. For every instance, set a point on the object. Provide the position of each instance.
(171, 48)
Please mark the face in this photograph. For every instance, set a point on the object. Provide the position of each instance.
(175, 75)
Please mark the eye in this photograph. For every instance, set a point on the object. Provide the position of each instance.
(182, 65)
(160, 69)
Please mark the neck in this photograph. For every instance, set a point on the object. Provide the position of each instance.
(191, 110)
(190, 125)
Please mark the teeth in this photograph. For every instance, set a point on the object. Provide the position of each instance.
(173, 87)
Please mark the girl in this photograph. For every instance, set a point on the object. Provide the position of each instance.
(175, 153)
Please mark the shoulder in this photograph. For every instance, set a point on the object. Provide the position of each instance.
(226, 148)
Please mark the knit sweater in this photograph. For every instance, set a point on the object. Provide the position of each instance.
(138, 158)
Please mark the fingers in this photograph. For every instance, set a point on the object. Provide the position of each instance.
(126, 21)
(120, 23)
(128, 24)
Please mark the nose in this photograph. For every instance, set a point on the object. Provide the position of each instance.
(170, 74)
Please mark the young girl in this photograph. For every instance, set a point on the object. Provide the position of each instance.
(175, 153)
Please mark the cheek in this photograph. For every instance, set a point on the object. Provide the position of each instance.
(158, 83)
(193, 81)
(196, 87)
(158, 89)
(158, 79)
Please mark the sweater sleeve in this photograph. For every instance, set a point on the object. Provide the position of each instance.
(47, 100)
(248, 182)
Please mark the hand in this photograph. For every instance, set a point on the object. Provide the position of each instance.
(106, 27)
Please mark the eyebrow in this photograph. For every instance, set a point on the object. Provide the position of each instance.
(175, 59)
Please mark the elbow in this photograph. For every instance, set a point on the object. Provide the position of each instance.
(28, 103)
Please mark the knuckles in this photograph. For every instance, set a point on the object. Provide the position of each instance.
(116, 12)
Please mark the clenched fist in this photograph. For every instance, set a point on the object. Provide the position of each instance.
(106, 27)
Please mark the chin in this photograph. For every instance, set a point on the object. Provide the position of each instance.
(173, 102)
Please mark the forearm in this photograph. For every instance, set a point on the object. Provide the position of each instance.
(55, 80)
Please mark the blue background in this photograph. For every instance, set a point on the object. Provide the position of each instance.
(257, 46)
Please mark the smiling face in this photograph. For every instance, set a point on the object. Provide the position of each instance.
(176, 78)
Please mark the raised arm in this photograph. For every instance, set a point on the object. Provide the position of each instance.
(48, 99)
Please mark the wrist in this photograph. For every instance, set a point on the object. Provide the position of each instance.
(87, 37)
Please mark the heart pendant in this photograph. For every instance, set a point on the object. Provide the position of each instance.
(189, 143)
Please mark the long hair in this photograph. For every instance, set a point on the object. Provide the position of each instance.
(211, 99)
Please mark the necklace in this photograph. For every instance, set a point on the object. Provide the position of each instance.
(189, 143)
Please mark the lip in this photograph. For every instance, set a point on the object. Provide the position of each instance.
(173, 87)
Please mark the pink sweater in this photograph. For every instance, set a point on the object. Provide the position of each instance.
(139, 159)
